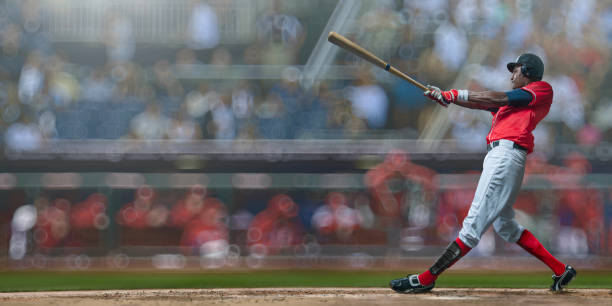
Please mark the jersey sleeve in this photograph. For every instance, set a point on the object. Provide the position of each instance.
(539, 91)
(519, 97)
(534, 97)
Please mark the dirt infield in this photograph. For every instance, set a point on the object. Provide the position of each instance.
(310, 296)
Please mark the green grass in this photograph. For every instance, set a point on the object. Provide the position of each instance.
(83, 280)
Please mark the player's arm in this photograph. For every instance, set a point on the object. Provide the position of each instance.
(485, 100)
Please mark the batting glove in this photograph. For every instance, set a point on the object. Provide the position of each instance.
(443, 98)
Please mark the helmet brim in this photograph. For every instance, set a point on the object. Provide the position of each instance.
(511, 66)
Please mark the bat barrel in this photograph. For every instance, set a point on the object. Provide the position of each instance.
(354, 48)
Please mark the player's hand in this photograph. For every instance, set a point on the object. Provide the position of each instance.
(443, 98)
(434, 93)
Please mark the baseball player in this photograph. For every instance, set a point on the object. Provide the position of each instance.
(515, 114)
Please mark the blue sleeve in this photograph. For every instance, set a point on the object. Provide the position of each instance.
(519, 97)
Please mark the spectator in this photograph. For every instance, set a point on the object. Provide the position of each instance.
(453, 205)
(335, 221)
(450, 37)
(270, 114)
(46, 125)
(407, 99)
(207, 232)
(52, 224)
(569, 103)
(64, 88)
(243, 107)
(11, 52)
(183, 128)
(382, 181)
(24, 219)
(289, 91)
(368, 100)
(187, 208)
(90, 213)
(221, 57)
(379, 28)
(223, 119)
(166, 85)
(580, 208)
(276, 228)
(401, 193)
(466, 130)
(32, 80)
(97, 87)
(120, 41)
(143, 212)
(23, 135)
(520, 25)
(129, 83)
(150, 124)
(281, 34)
(203, 26)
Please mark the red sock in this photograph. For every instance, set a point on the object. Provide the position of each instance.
(531, 244)
(427, 277)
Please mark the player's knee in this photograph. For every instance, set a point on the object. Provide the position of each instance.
(510, 231)
(469, 239)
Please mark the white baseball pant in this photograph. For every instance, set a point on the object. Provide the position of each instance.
(498, 186)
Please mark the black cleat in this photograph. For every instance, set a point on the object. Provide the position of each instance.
(559, 282)
(410, 284)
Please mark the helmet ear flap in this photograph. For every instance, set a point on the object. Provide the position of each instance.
(525, 71)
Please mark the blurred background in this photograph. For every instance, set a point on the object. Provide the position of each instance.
(229, 133)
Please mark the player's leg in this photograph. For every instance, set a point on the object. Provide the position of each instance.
(503, 172)
(563, 273)
(509, 230)
(425, 281)
(490, 194)
(501, 176)
(532, 245)
(451, 255)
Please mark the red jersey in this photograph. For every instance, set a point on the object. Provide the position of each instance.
(516, 123)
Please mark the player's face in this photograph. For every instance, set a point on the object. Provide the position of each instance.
(518, 79)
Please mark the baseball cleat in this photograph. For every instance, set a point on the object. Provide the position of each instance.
(559, 282)
(410, 284)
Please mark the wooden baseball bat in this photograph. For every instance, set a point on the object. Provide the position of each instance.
(356, 49)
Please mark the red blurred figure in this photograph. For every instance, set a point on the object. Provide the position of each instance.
(275, 228)
(537, 171)
(454, 204)
(581, 206)
(335, 220)
(577, 163)
(189, 207)
(207, 232)
(90, 214)
(52, 223)
(143, 212)
(537, 165)
(389, 200)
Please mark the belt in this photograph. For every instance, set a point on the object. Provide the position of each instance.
(494, 144)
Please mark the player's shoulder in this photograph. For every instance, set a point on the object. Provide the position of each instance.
(541, 86)
(540, 90)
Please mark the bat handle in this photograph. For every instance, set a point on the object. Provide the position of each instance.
(405, 77)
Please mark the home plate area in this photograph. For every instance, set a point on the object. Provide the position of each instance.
(311, 296)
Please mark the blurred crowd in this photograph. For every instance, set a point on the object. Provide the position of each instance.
(402, 210)
(120, 87)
